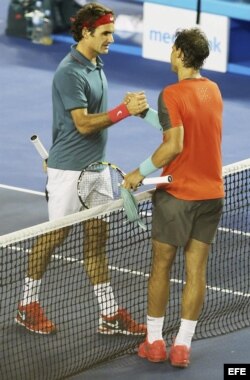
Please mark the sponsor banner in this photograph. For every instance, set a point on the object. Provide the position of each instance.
(160, 23)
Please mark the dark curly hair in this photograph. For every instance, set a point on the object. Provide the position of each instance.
(89, 13)
(194, 45)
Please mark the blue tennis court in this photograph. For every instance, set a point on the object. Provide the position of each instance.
(25, 98)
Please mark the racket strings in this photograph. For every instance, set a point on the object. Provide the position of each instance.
(99, 184)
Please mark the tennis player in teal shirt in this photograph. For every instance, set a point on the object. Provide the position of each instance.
(78, 83)
(80, 122)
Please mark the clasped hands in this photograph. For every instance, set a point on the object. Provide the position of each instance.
(136, 102)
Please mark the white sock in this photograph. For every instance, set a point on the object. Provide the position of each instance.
(31, 291)
(106, 299)
(186, 333)
(154, 328)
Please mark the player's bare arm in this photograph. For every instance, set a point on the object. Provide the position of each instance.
(89, 123)
(171, 147)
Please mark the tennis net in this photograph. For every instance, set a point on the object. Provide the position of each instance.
(69, 300)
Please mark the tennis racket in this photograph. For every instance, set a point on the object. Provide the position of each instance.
(101, 183)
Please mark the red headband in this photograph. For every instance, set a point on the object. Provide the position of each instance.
(105, 19)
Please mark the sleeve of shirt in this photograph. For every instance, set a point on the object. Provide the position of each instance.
(168, 110)
(72, 91)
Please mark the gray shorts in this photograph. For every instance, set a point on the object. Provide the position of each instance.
(175, 221)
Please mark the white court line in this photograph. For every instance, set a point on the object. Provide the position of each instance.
(224, 229)
(216, 289)
(21, 190)
(234, 231)
(142, 274)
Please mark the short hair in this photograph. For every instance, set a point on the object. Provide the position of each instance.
(194, 45)
(89, 13)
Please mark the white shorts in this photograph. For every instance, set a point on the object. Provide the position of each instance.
(62, 191)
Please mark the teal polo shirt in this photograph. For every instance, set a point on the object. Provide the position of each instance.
(77, 83)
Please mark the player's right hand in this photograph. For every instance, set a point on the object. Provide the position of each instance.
(136, 102)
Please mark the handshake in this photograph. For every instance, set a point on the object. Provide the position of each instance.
(136, 103)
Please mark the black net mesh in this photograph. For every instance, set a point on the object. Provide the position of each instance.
(68, 298)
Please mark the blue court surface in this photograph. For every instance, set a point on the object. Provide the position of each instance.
(26, 72)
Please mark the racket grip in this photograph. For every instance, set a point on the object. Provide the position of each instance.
(39, 147)
(157, 180)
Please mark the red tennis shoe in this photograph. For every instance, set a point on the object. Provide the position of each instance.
(179, 356)
(154, 352)
(121, 323)
(33, 318)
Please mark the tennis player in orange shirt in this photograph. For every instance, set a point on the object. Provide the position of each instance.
(187, 211)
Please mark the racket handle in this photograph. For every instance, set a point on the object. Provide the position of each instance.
(39, 147)
(157, 180)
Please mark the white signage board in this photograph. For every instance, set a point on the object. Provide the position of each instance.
(160, 23)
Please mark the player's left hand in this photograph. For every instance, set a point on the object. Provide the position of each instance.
(132, 180)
